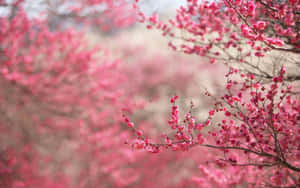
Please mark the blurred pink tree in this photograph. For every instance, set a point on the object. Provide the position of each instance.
(61, 102)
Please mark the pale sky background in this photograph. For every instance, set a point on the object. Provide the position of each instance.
(34, 7)
(160, 6)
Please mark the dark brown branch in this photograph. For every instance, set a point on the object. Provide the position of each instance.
(263, 154)
(251, 164)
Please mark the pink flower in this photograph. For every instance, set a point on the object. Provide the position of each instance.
(173, 99)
